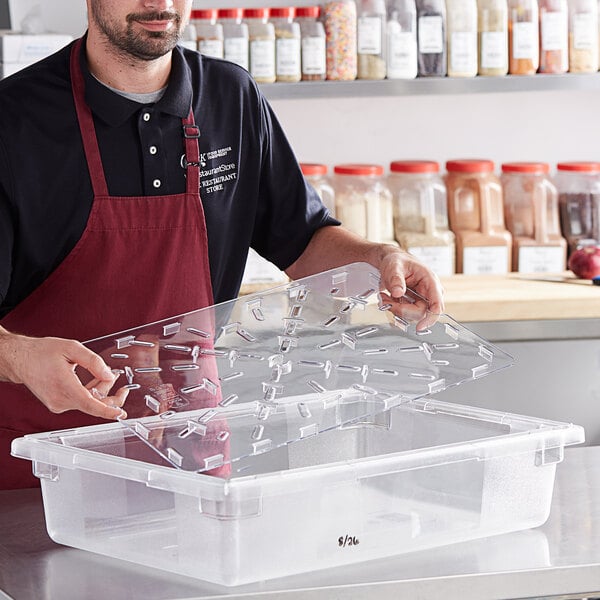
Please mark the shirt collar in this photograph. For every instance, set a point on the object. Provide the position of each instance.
(115, 110)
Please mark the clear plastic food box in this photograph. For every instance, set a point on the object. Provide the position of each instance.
(294, 430)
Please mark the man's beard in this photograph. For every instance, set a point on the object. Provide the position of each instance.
(145, 45)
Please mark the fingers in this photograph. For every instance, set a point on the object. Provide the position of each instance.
(78, 354)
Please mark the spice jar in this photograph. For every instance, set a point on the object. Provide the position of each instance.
(262, 44)
(287, 44)
(431, 34)
(313, 47)
(476, 213)
(421, 213)
(523, 37)
(316, 175)
(235, 36)
(209, 32)
(554, 36)
(340, 30)
(371, 39)
(583, 36)
(363, 202)
(493, 37)
(531, 214)
(462, 38)
(401, 56)
(578, 186)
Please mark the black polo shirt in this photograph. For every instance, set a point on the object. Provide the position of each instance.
(252, 189)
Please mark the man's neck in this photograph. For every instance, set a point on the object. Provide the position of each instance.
(126, 73)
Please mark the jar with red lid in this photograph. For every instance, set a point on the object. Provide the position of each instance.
(313, 43)
(421, 213)
(578, 186)
(287, 44)
(531, 214)
(316, 175)
(363, 201)
(262, 44)
(235, 36)
(209, 32)
(476, 213)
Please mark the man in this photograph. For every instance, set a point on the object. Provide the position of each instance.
(121, 205)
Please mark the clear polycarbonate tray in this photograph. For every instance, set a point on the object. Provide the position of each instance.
(212, 388)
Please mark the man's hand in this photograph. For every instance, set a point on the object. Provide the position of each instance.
(400, 270)
(47, 367)
(332, 247)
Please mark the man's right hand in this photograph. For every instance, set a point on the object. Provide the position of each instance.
(47, 367)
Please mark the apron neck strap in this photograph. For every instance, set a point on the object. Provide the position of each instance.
(191, 135)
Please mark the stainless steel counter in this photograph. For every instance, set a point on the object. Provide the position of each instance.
(560, 559)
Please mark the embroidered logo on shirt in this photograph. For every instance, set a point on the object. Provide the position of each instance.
(215, 178)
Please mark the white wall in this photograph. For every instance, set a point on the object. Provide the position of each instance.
(550, 126)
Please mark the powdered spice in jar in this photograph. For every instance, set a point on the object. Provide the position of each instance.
(578, 186)
(421, 213)
(583, 36)
(313, 44)
(462, 38)
(402, 40)
(371, 39)
(493, 37)
(476, 213)
(262, 44)
(523, 37)
(531, 213)
(364, 202)
(316, 175)
(554, 36)
(287, 44)
(431, 34)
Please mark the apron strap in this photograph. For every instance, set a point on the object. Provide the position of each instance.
(191, 135)
(86, 125)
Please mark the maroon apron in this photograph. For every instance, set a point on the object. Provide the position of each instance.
(139, 260)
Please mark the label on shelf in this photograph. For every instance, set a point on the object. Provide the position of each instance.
(431, 35)
(485, 260)
(369, 35)
(554, 31)
(493, 49)
(262, 58)
(402, 52)
(236, 51)
(524, 40)
(463, 52)
(440, 259)
(541, 259)
(313, 56)
(585, 32)
(211, 48)
(288, 56)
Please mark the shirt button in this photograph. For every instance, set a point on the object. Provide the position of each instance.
(153, 149)
(157, 183)
(146, 117)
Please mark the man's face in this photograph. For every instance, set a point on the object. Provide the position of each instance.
(144, 29)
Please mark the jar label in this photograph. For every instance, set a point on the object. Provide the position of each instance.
(288, 56)
(211, 48)
(493, 49)
(440, 259)
(541, 259)
(554, 31)
(431, 35)
(313, 56)
(524, 40)
(236, 51)
(485, 260)
(262, 58)
(369, 35)
(402, 54)
(463, 52)
(585, 31)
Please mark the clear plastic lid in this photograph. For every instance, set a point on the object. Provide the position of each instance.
(212, 388)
